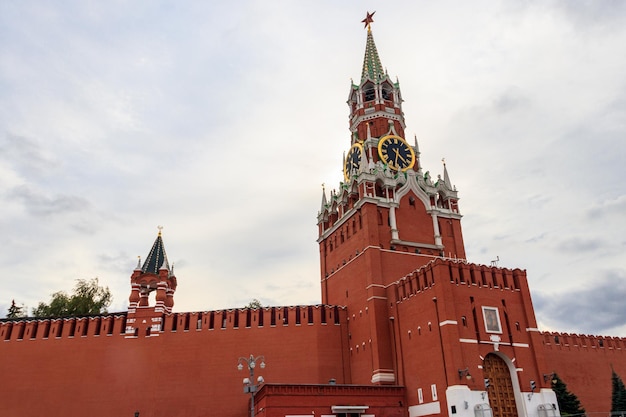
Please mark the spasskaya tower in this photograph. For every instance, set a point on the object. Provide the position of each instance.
(387, 218)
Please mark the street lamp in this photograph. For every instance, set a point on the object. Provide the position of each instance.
(249, 387)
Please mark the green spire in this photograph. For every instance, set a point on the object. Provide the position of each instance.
(372, 68)
(156, 258)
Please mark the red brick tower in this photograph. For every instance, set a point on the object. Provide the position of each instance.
(419, 315)
(387, 219)
(154, 276)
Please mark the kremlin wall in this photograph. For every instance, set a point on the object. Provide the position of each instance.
(114, 365)
(407, 327)
(117, 364)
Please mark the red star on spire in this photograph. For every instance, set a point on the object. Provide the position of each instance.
(368, 19)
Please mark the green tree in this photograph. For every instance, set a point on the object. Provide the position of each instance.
(255, 303)
(618, 398)
(16, 311)
(88, 298)
(569, 404)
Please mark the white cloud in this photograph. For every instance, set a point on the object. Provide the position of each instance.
(220, 122)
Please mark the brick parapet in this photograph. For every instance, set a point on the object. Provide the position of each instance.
(585, 363)
(62, 327)
(31, 329)
(573, 341)
(460, 272)
(202, 360)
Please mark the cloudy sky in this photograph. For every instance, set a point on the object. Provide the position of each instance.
(221, 120)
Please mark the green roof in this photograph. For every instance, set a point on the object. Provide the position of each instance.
(372, 68)
(156, 258)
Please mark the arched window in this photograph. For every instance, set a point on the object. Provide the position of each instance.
(369, 93)
(387, 92)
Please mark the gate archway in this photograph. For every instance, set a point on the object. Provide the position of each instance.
(501, 392)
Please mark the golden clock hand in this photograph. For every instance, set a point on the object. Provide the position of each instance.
(401, 157)
(395, 161)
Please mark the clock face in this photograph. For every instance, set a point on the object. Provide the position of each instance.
(353, 160)
(396, 153)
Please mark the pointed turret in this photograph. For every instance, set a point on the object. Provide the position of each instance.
(157, 258)
(154, 276)
(376, 100)
(324, 201)
(372, 67)
(416, 148)
(448, 194)
(446, 177)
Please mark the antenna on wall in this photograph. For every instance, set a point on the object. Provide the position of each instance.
(495, 261)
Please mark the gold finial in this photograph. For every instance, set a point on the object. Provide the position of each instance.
(369, 19)
(160, 228)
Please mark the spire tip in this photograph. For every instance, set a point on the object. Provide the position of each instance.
(369, 19)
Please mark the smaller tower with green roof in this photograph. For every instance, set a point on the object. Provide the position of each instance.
(155, 275)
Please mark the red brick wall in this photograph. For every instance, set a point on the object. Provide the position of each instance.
(438, 334)
(90, 366)
(584, 363)
(280, 400)
(182, 373)
(414, 224)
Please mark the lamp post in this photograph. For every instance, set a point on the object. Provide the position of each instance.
(249, 386)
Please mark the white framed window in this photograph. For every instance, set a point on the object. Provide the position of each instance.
(433, 391)
(491, 317)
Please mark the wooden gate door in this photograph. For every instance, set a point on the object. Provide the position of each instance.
(500, 391)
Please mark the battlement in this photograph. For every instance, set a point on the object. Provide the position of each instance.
(130, 325)
(62, 327)
(459, 272)
(567, 341)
